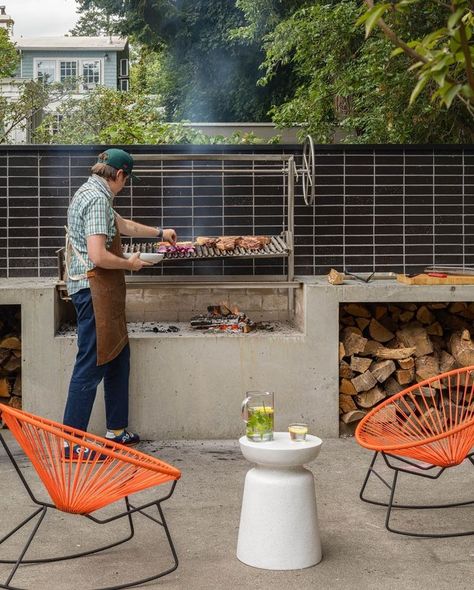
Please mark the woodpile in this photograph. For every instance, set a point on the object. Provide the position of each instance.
(385, 348)
(10, 355)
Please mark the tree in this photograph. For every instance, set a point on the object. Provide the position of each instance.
(108, 116)
(94, 22)
(8, 55)
(26, 108)
(443, 55)
(205, 73)
(350, 87)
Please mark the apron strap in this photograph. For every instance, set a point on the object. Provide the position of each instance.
(67, 258)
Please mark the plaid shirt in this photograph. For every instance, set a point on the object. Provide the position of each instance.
(90, 213)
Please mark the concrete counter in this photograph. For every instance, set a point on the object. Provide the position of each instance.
(191, 385)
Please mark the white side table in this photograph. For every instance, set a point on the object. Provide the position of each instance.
(278, 523)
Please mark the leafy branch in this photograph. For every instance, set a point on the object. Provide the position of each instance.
(444, 56)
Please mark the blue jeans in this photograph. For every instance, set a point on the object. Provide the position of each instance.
(86, 375)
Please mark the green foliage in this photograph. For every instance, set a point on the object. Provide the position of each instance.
(27, 108)
(443, 56)
(8, 55)
(350, 88)
(111, 117)
(204, 73)
(93, 23)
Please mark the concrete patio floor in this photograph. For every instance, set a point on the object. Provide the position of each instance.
(203, 516)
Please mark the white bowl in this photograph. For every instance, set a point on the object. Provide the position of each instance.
(152, 257)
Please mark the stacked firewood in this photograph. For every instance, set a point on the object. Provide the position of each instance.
(385, 348)
(10, 355)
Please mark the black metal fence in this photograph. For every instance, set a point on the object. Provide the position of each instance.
(383, 208)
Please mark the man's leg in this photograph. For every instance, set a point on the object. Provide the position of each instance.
(116, 378)
(86, 375)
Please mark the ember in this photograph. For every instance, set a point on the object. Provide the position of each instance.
(220, 318)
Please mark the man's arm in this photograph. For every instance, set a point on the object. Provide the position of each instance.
(127, 227)
(102, 258)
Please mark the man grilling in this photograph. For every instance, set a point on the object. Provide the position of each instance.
(96, 283)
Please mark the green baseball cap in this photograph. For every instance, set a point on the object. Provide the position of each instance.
(118, 159)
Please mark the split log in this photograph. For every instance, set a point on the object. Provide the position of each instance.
(335, 277)
(13, 364)
(424, 315)
(382, 370)
(360, 365)
(342, 351)
(407, 363)
(364, 382)
(427, 392)
(406, 316)
(395, 312)
(370, 398)
(405, 376)
(462, 348)
(348, 320)
(409, 306)
(11, 342)
(17, 387)
(457, 307)
(353, 416)
(394, 353)
(392, 387)
(4, 387)
(378, 332)
(4, 355)
(380, 311)
(426, 367)
(347, 388)
(15, 402)
(345, 370)
(437, 305)
(414, 335)
(353, 342)
(357, 310)
(435, 329)
(446, 362)
(362, 323)
(371, 348)
(346, 403)
(17, 353)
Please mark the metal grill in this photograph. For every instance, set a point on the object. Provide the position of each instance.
(275, 249)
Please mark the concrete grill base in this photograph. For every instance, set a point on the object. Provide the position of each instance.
(190, 385)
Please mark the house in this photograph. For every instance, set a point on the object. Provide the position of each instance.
(83, 62)
(92, 61)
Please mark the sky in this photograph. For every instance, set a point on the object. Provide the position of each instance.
(35, 18)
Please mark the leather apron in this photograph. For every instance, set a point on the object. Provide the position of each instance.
(108, 300)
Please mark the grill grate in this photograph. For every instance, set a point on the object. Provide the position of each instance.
(277, 248)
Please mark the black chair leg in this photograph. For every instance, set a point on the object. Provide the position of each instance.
(24, 550)
(391, 504)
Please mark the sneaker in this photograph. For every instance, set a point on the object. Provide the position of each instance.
(82, 453)
(129, 439)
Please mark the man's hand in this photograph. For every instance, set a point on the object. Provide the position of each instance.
(136, 263)
(169, 235)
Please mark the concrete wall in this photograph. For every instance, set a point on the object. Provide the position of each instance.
(190, 385)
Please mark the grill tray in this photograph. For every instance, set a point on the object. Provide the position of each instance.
(277, 248)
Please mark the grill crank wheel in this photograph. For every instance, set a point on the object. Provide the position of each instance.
(308, 171)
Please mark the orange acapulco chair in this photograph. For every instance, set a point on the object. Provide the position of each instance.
(422, 431)
(84, 484)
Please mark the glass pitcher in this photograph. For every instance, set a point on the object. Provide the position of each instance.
(257, 413)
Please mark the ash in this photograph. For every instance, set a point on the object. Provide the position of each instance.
(70, 329)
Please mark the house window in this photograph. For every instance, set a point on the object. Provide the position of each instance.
(90, 74)
(46, 71)
(123, 84)
(67, 71)
(124, 68)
